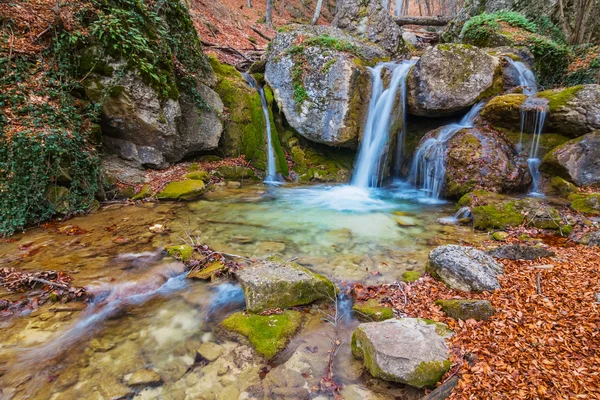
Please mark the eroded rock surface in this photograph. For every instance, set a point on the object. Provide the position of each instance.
(577, 160)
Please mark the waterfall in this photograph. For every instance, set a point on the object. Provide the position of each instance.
(533, 117)
(429, 164)
(461, 214)
(374, 146)
(272, 177)
(526, 77)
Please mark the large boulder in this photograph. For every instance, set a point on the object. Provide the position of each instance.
(140, 125)
(320, 82)
(464, 268)
(577, 160)
(574, 111)
(273, 283)
(369, 19)
(450, 78)
(409, 350)
(484, 158)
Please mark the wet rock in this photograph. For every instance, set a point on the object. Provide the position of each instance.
(182, 252)
(113, 390)
(372, 311)
(479, 310)
(199, 176)
(504, 111)
(320, 83)
(484, 158)
(269, 248)
(282, 383)
(182, 190)
(101, 345)
(450, 78)
(576, 161)
(371, 21)
(275, 284)
(144, 377)
(268, 334)
(405, 221)
(411, 276)
(500, 236)
(207, 272)
(521, 252)
(410, 350)
(464, 268)
(67, 378)
(210, 351)
(574, 111)
(236, 172)
(233, 185)
(228, 393)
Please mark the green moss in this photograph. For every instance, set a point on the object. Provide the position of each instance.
(559, 97)
(500, 236)
(478, 197)
(440, 328)
(372, 311)
(497, 216)
(235, 173)
(411, 276)
(586, 203)
(182, 252)
(267, 334)
(428, 373)
(199, 176)
(562, 187)
(144, 193)
(207, 272)
(182, 190)
(504, 111)
(479, 310)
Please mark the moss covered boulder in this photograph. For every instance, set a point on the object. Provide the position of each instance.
(268, 334)
(274, 283)
(450, 78)
(484, 158)
(412, 351)
(479, 310)
(578, 161)
(245, 127)
(320, 82)
(199, 176)
(504, 111)
(182, 190)
(411, 276)
(236, 173)
(585, 203)
(183, 252)
(372, 311)
(500, 215)
(574, 111)
(561, 187)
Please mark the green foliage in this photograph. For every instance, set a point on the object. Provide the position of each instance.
(479, 28)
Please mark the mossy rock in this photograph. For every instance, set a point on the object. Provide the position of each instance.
(372, 311)
(586, 203)
(183, 252)
(268, 334)
(236, 173)
(144, 193)
(199, 176)
(479, 310)
(182, 190)
(559, 98)
(479, 197)
(500, 236)
(411, 276)
(207, 272)
(504, 111)
(497, 216)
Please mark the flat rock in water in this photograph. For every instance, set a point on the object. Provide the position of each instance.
(410, 350)
(144, 377)
(479, 310)
(210, 351)
(521, 252)
(464, 268)
(275, 284)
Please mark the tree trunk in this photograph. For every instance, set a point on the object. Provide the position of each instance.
(426, 21)
(249, 3)
(317, 12)
(269, 13)
(282, 10)
(398, 8)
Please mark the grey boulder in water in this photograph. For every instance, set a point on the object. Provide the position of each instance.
(450, 78)
(577, 160)
(370, 20)
(274, 283)
(409, 350)
(464, 268)
(320, 83)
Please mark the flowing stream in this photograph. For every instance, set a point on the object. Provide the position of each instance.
(374, 147)
(429, 164)
(526, 77)
(272, 178)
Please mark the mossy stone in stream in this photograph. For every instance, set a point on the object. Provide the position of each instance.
(372, 311)
(268, 334)
(199, 176)
(500, 236)
(497, 216)
(182, 190)
(504, 111)
(586, 203)
(411, 276)
(207, 272)
(479, 310)
(236, 173)
(144, 193)
(182, 252)
(559, 98)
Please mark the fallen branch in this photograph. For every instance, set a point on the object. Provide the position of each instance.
(262, 35)
(426, 21)
(443, 391)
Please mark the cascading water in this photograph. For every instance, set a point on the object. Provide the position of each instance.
(462, 214)
(429, 164)
(526, 77)
(374, 146)
(272, 177)
(533, 118)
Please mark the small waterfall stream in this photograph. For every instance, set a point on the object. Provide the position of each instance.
(271, 177)
(429, 164)
(374, 146)
(526, 77)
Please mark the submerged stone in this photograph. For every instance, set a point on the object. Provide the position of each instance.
(210, 351)
(410, 350)
(182, 190)
(144, 377)
(268, 334)
(372, 311)
(479, 310)
(464, 268)
(183, 252)
(207, 272)
(275, 284)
